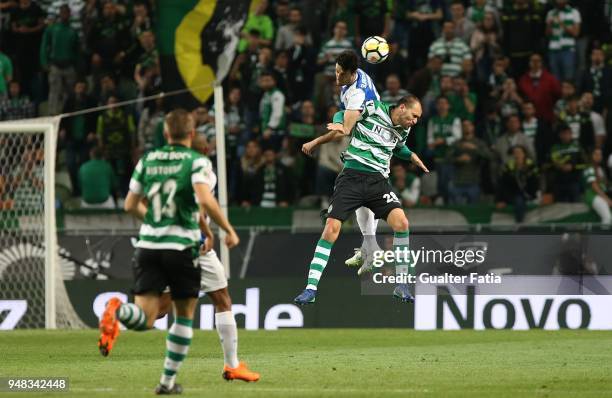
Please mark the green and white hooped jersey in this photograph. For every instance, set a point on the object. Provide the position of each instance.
(589, 175)
(374, 138)
(165, 177)
(560, 39)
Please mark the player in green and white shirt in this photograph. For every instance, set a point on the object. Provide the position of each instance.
(380, 130)
(214, 285)
(562, 28)
(175, 181)
(375, 138)
(166, 176)
(595, 188)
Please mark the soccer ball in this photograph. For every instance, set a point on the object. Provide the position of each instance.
(375, 49)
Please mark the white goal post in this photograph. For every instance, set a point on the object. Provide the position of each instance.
(221, 172)
(28, 236)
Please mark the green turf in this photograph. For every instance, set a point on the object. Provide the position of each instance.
(327, 363)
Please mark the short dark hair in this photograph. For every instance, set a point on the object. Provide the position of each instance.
(408, 100)
(348, 61)
(180, 124)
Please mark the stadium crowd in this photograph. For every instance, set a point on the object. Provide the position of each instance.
(516, 95)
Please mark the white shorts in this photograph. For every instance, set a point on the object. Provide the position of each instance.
(213, 272)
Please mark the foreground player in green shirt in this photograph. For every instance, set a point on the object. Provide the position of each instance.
(381, 130)
(171, 179)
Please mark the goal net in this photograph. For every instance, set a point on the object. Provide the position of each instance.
(31, 274)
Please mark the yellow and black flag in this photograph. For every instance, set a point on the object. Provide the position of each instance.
(197, 41)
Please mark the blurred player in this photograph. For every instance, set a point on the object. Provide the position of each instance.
(214, 284)
(380, 130)
(357, 88)
(169, 178)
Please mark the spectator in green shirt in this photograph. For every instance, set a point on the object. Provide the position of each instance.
(567, 160)
(468, 156)
(117, 135)
(98, 182)
(596, 187)
(260, 22)
(462, 100)
(442, 132)
(518, 183)
(59, 52)
(6, 73)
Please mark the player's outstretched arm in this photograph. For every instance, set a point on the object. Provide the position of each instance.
(416, 160)
(336, 129)
(208, 203)
(309, 147)
(403, 152)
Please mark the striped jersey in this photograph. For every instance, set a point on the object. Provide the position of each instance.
(389, 98)
(354, 96)
(452, 53)
(374, 138)
(560, 39)
(165, 177)
(332, 48)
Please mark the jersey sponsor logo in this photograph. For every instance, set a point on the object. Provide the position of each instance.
(384, 133)
(159, 155)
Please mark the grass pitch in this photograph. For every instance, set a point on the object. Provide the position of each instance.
(326, 363)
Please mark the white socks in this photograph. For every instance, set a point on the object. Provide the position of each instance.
(366, 221)
(228, 334)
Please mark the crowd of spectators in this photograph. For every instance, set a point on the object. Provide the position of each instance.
(516, 93)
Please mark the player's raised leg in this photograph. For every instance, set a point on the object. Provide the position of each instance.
(137, 316)
(347, 197)
(398, 221)
(319, 260)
